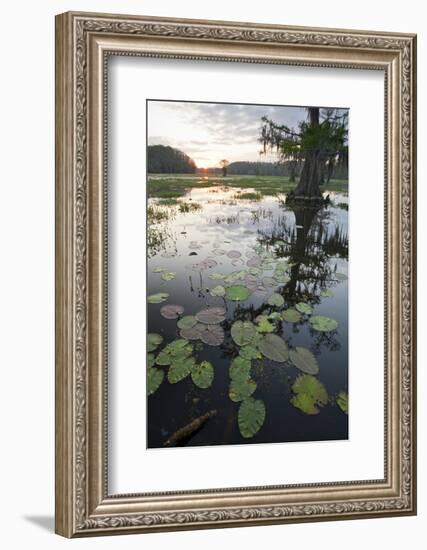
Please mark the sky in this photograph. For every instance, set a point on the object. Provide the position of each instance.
(210, 132)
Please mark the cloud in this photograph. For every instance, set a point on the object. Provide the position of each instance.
(209, 132)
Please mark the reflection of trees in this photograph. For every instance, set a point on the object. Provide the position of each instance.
(309, 246)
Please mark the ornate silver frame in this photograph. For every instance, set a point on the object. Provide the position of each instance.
(83, 42)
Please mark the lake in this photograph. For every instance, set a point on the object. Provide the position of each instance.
(217, 239)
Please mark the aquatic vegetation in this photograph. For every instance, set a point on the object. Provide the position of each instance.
(186, 322)
(234, 254)
(153, 341)
(237, 293)
(240, 367)
(241, 388)
(156, 215)
(303, 308)
(291, 315)
(211, 315)
(202, 375)
(323, 324)
(326, 293)
(186, 207)
(342, 401)
(158, 298)
(216, 276)
(250, 196)
(180, 369)
(212, 335)
(243, 333)
(154, 379)
(171, 311)
(174, 351)
(276, 300)
(251, 417)
(310, 394)
(304, 360)
(340, 276)
(158, 269)
(150, 360)
(169, 275)
(218, 291)
(263, 324)
(274, 347)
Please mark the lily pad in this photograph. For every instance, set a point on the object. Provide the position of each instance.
(273, 347)
(304, 308)
(169, 275)
(218, 291)
(158, 269)
(216, 276)
(342, 401)
(212, 335)
(158, 298)
(203, 375)
(176, 350)
(218, 251)
(188, 321)
(240, 368)
(241, 388)
(237, 293)
(154, 379)
(249, 352)
(235, 276)
(180, 369)
(171, 311)
(243, 332)
(291, 315)
(326, 293)
(251, 417)
(276, 300)
(234, 254)
(263, 324)
(153, 341)
(323, 324)
(340, 276)
(150, 360)
(252, 282)
(211, 315)
(309, 394)
(254, 261)
(304, 360)
(281, 277)
(193, 333)
(268, 282)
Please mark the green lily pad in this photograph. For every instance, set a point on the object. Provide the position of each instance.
(340, 276)
(273, 347)
(154, 379)
(180, 369)
(274, 316)
(216, 276)
(203, 375)
(263, 324)
(241, 388)
(171, 311)
(211, 315)
(188, 321)
(323, 324)
(237, 293)
(276, 300)
(304, 360)
(251, 417)
(243, 332)
(176, 350)
(153, 341)
(304, 308)
(291, 315)
(249, 352)
(150, 360)
(235, 276)
(158, 269)
(240, 368)
(268, 282)
(309, 394)
(158, 298)
(218, 291)
(326, 293)
(342, 401)
(193, 333)
(281, 277)
(169, 275)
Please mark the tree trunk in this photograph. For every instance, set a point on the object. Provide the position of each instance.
(309, 181)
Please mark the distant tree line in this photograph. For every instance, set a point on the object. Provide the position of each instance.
(162, 159)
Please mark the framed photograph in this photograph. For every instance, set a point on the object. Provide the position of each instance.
(235, 274)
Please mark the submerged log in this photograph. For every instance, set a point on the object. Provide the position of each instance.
(188, 430)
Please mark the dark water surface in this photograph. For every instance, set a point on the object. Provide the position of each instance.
(315, 243)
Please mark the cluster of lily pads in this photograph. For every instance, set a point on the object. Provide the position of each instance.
(255, 340)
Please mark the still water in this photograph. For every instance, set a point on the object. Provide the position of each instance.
(228, 231)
